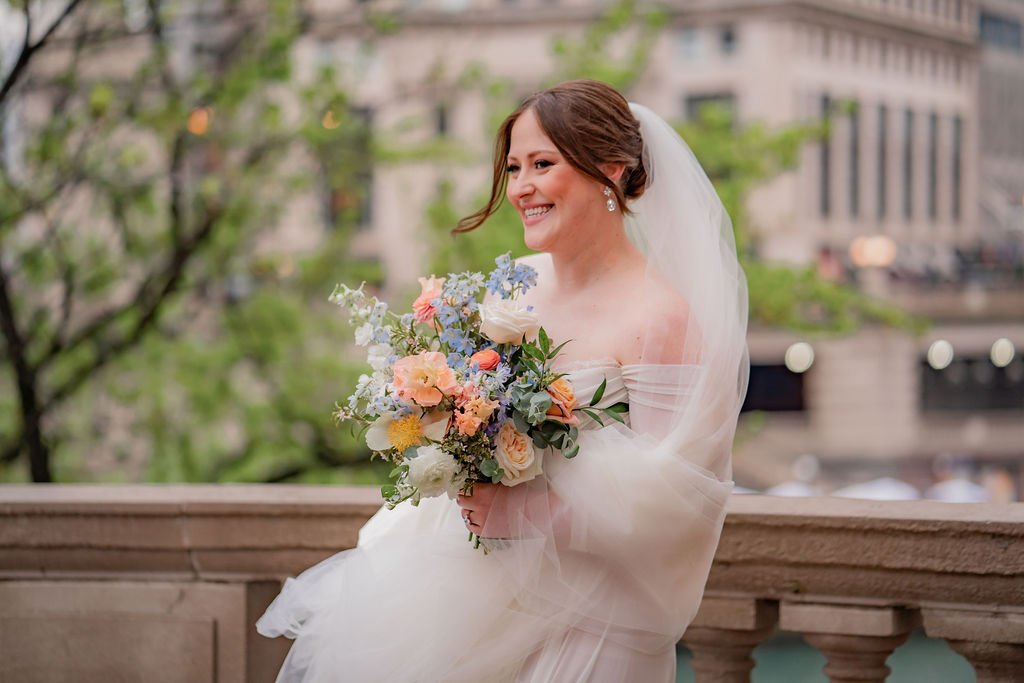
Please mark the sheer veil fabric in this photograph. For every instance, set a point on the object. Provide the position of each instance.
(609, 552)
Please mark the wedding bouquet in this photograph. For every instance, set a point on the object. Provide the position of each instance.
(462, 389)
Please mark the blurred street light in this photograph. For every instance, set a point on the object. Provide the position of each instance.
(799, 357)
(877, 251)
(1002, 352)
(940, 354)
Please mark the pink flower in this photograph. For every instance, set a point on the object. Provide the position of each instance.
(425, 379)
(423, 310)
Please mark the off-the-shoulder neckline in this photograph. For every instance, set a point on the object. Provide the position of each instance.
(611, 363)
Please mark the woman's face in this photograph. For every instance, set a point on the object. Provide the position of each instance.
(556, 202)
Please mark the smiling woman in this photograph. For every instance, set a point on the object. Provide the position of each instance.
(599, 562)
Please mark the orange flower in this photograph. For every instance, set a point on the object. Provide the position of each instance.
(468, 423)
(425, 379)
(563, 400)
(486, 360)
(430, 287)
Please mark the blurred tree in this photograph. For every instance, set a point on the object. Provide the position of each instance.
(146, 334)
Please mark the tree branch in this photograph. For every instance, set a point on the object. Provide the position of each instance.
(29, 48)
(26, 378)
(149, 299)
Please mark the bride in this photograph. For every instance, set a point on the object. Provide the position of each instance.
(597, 567)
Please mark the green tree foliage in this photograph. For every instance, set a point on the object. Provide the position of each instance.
(146, 334)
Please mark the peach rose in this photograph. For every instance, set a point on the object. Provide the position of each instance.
(468, 423)
(563, 400)
(430, 287)
(486, 360)
(425, 378)
(517, 456)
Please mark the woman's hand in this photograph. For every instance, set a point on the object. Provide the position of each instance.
(479, 510)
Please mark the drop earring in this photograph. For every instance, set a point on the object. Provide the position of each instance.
(609, 202)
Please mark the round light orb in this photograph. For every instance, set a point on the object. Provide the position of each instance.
(940, 354)
(799, 357)
(330, 121)
(199, 120)
(1002, 352)
(877, 251)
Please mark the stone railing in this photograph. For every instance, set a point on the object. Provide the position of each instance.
(163, 584)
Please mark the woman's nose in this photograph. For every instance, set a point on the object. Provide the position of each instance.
(521, 187)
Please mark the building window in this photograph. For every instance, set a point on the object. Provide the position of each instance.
(933, 165)
(1001, 32)
(908, 164)
(693, 104)
(441, 119)
(727, 39)
(825, 174)
(774, 388)
(688, 43)
(971, 384)
(882, 162)
(347, 174)
(854, 159)
(957, 170)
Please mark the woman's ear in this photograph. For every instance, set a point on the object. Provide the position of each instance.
(613, 171)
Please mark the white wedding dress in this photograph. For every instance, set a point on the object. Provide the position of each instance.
(606, 567)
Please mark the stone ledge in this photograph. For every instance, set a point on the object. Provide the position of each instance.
(864, 552)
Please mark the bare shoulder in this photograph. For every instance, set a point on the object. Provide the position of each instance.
(663, 329)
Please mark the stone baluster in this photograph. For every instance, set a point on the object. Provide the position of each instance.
(992, 642)
(856, 640)
(724, 634)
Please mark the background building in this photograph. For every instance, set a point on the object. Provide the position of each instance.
(922, 161)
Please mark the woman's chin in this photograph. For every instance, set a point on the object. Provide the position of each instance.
(536, 237)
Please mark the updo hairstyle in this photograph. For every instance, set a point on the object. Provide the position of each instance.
(590, 123)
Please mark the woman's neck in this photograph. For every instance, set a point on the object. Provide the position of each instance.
(583, 264)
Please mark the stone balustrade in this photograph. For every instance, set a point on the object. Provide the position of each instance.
(164, 583)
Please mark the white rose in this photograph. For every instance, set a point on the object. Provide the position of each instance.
(377, 356)
(505, 323)
(517, 456)
(432, 471)
(364, 334)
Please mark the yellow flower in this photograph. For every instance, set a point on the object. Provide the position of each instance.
(410, 430)
(405, 432)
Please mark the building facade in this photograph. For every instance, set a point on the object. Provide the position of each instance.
(904, 85)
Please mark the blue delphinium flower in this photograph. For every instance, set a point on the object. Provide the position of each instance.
(510, 278)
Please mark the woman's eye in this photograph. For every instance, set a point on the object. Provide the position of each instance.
(512, 168)
(542, 163)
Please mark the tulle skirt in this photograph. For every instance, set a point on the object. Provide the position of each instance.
(605, 569)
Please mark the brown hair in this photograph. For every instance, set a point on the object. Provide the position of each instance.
(590, 123)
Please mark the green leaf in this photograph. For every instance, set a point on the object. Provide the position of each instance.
(599, 393)
(571, 453)
(520, 421)
(593, 416)
(545, 341)
(489, 467)
(554, 352)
